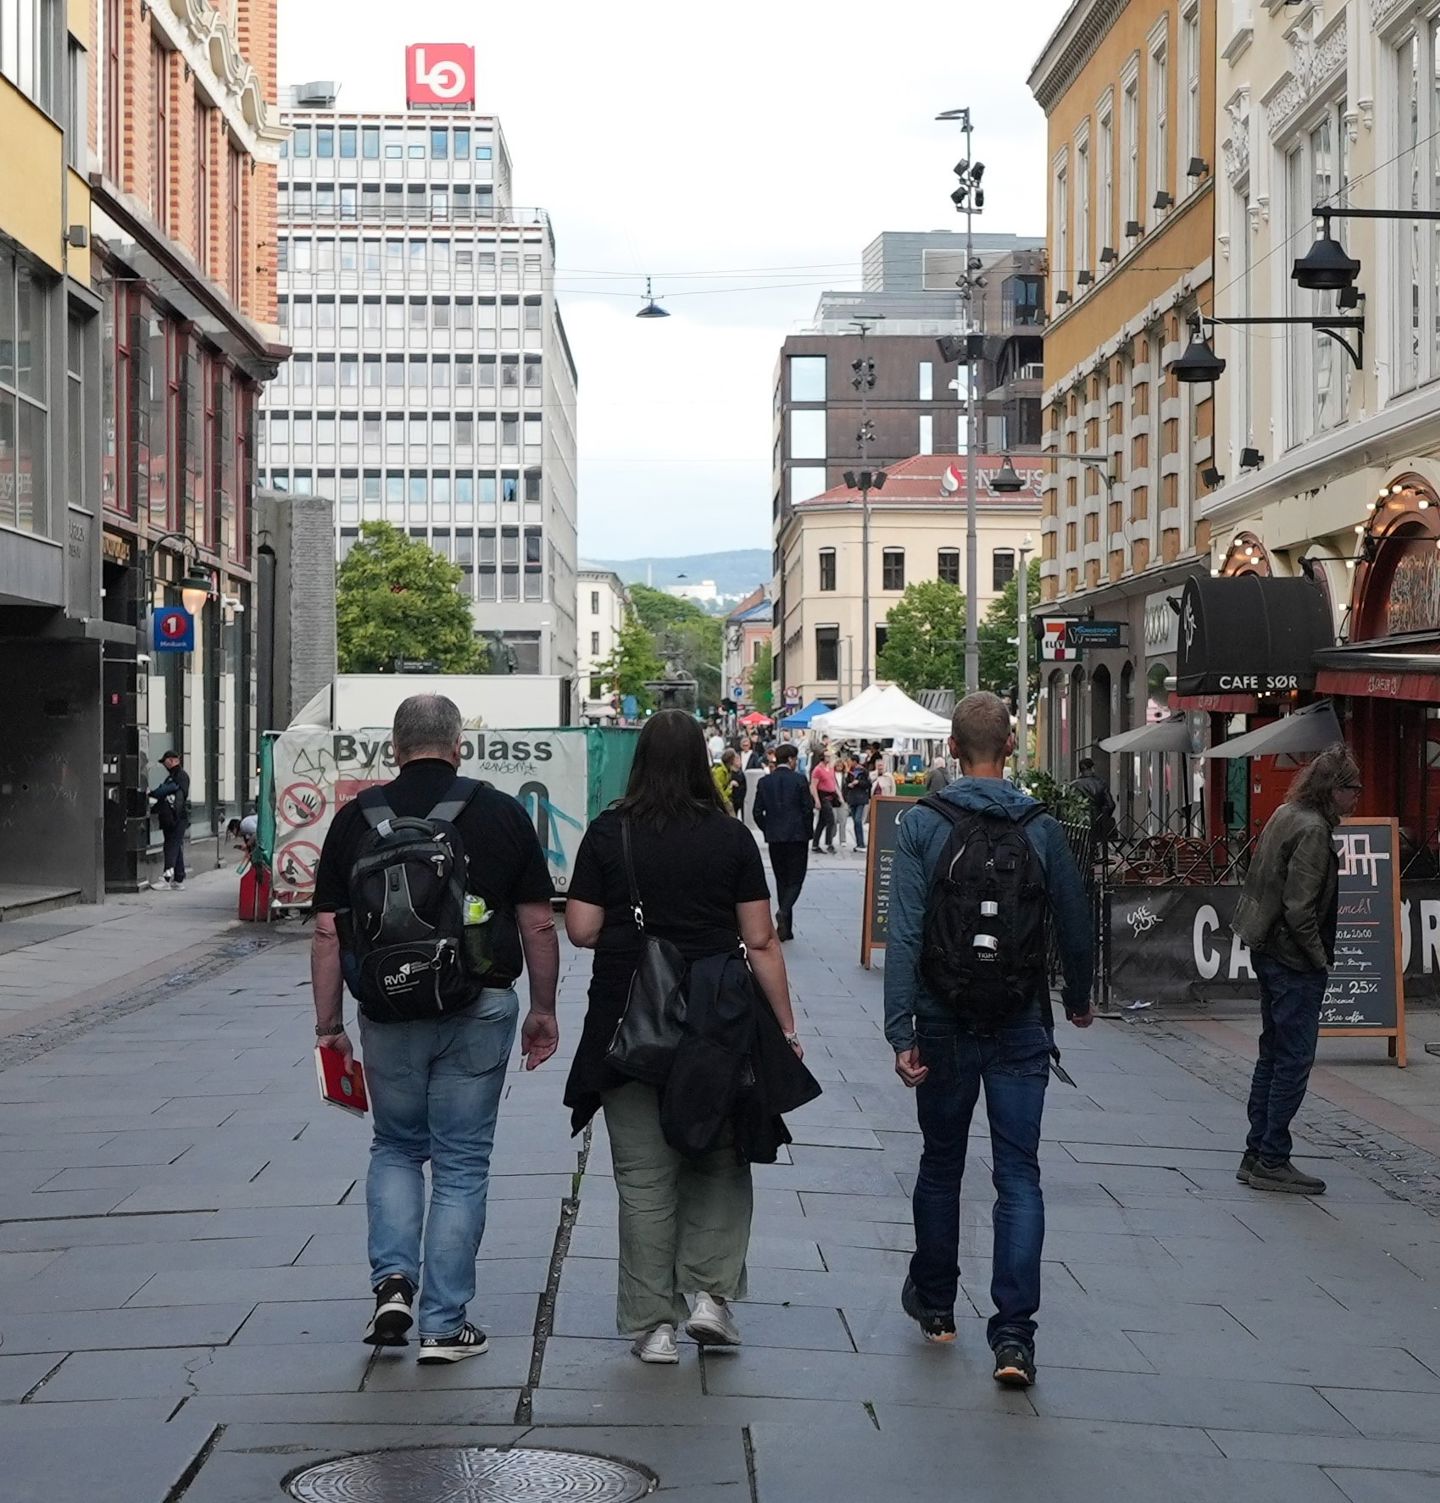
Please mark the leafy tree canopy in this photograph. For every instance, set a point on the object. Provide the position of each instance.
(684, 635)
(925, 638)
(633, 663)
(762, 685)
(999, 671)
(397, 598)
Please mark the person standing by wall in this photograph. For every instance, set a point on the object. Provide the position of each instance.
(785, 815)
(1288, 915)
(171, 799)
(1102, 801)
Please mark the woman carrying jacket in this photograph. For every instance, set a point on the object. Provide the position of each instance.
(1287, 915)
(684, 1223)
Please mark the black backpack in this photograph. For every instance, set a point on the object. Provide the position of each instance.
(983, 946)
(405, 933)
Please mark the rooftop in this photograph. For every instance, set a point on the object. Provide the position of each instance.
(917, 481)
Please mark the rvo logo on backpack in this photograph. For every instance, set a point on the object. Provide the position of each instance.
(983, 946)
(406, 977)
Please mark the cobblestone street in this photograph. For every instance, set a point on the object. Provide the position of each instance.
(182, 1244)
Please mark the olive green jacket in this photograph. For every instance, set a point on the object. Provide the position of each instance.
(1287, 910)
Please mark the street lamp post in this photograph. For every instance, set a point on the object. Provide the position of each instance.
(863, 380)
(1022, 646)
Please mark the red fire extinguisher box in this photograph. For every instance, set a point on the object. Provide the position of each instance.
(255, 895)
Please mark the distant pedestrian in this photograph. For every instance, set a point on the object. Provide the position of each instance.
(669, 863)
(715, 743)
(1288, 915)
(785, 816)
(734, 783)
(938, 777)
(858, 791)
(825, 789)
(431, 897)
(245, 832)
(758, 757)
(967, 1004)
(171, 800)
(1102, 801)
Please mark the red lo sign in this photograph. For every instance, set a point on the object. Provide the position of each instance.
(439, 75)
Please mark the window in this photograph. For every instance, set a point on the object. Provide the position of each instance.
(806, 480)
(160, 135)
(827, 654)
(1159, 152)
(325, 142)
(1130, 151)
(947, 566)
(114, 86)
(594, 602)
(1082, 202)
(807, 378)
(370, 142)
(1105, 174)
(77, 105)
(203, 118)
(1060, 274)
(925, 384)
(439, 144)
(1002, 568)
(807, 433)
(462, 144)
(347, 141)
(300, 143)
(1190, 143)
(594, 644)
(892, 569)
(827, 568)
(235, 187)
(927, 434)
(24, 420)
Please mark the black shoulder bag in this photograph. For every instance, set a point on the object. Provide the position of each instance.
(653, 1022)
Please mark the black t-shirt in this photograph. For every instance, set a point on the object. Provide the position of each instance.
(691, 877)
(502, 852)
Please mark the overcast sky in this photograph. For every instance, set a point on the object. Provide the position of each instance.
(743, 155)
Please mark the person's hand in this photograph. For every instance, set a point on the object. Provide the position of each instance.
(539, 1038)
(797, 1048)
(908, 1066)
(1081, 1019)
(340, 1043)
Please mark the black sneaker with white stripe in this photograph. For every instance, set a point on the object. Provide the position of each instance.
(468, 1341)
(392, 1318)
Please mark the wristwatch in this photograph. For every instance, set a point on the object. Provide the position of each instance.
(792, 1039)
(322, 1032)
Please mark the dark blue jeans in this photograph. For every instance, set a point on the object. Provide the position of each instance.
(1014, 1067)
(1289, 1027)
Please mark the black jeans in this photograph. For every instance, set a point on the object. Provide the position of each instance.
(825, 824)
(175, 851)
(789, 860)
(1014, 1067)
(1289, 1028)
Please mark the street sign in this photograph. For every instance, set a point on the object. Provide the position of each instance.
(1095, 634)
(792, 698)
(174, 630)
(1054, 639)
(737, 691)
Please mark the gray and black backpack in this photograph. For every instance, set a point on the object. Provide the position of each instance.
(404, 938)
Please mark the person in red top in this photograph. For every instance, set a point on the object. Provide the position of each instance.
(826, 790)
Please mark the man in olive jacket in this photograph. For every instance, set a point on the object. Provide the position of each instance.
(1287, 915)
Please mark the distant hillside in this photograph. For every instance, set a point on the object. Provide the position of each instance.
(734, 573)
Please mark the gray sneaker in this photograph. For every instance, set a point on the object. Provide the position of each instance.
(1286, 1178)
(1248, 1161)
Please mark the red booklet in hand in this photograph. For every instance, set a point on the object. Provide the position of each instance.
(347, 1091)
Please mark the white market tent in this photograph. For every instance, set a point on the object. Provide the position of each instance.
(878, 712)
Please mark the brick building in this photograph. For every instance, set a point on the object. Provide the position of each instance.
(183, 140)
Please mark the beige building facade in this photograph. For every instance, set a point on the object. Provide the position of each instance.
(601, 601)
(916, 533)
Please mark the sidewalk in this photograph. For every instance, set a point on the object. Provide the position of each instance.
(182, 1251)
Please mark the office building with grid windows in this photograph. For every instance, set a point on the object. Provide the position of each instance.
(431, 384)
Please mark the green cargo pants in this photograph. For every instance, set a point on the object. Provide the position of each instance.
(684, 1223)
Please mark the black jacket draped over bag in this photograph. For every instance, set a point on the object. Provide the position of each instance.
(733, 1067)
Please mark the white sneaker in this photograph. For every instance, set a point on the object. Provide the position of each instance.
(657, 1345)
(162, 882)
(711, 1323)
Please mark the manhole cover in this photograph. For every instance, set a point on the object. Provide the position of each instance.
(470, 1474)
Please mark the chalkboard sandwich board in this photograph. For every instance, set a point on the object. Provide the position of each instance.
(880, 837)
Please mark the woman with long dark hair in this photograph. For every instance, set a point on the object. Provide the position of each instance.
(684, 1222)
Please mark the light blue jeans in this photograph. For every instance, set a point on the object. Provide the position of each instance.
(435, 1094)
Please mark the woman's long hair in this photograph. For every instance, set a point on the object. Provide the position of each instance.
(670, 781)
(1315, 784)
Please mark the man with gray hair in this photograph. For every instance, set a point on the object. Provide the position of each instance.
(444, 853)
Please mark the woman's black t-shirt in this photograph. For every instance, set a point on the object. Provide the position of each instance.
(690, 878)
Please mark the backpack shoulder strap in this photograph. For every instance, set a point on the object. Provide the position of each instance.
(375, 806)
(450, 808)
(945, 809)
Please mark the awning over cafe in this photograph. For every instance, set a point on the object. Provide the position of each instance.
(1371, 670)
(1308, 730)
(1244, 634)
(1169, 735)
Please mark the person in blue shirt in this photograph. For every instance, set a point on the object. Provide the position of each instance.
(946, 1064)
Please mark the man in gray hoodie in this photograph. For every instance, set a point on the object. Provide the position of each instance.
(946, 1060)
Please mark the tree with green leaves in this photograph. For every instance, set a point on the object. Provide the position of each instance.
(685, 635)
(925, 638)
(633, 663)
(762, 680)
(999, 671)
(397, 598)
